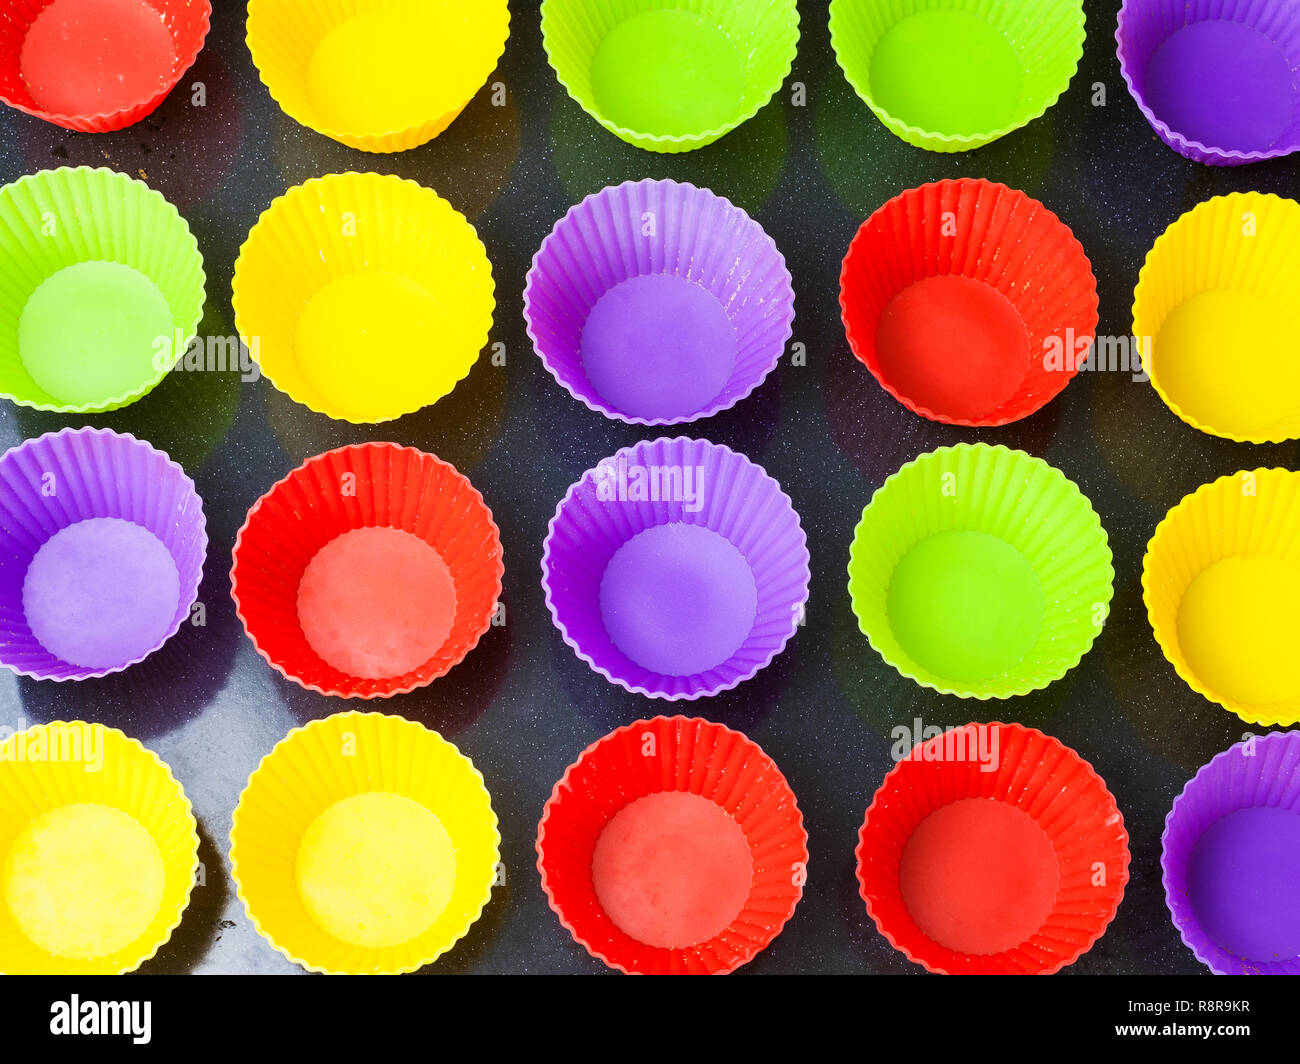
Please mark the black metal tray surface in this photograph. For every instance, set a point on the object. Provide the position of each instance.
(810, 167)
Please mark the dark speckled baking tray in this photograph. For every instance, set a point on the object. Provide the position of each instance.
(523, 706)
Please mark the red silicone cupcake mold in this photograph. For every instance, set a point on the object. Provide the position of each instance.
(97, 65)
(368, 571)
(992, 849)
(673, 846)
(970, 303)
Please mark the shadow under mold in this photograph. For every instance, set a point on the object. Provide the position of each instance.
(468, 164)
(748, 427)
(461, 957)
(162, 148)
(1169, 717)
(1156, 455)
(448, 705)
(459, 428)
(886, 699)
(611, 706)
(171, 687)
(187, 415)
(744, 166)
(866, 165)
(201, 922)
(880, 435)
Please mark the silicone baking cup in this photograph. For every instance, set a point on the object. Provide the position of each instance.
(951, 75)
(670, 75)
(98, 850)
(980, 571)
(368, 571)
(1221, 579)
(102, 542)
(662, 326)
(992, 849)
(1226, 277)
(97, 65)
(377, 75)
(1215, 78)
(364, 844)
(1231, 859)
(101, 289)
(676, 569)
(368, 296)
(673, 846)
(970, 303)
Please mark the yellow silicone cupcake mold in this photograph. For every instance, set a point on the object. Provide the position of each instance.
(364, 844)
(378, 75)
(1221, 580)
(363, 297)
(98, 851)
(1218, 303)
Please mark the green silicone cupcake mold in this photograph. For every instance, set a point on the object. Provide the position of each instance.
(101, 289)
(670, 75)
(951, 75)
(980, 572)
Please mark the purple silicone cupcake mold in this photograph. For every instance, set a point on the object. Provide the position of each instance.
(102, 541)
(1215, 78)
(658, 303)
(677, 568)
(1231, 859)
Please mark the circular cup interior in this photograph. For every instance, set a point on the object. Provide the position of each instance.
(367, 572)
(676, 569)
(94, 827)
(101, 553)
(969, 864)
(348, 283)
(957, 74)
(970, 303)
(1231, 856)
(665, 325)
(378, 76)
(97, 65)
(364, 844)
(655, 863)
(666, 75)
(1226, 277)
(1216, 81)
(1220, 578)
(102, 289)
(957, 573)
